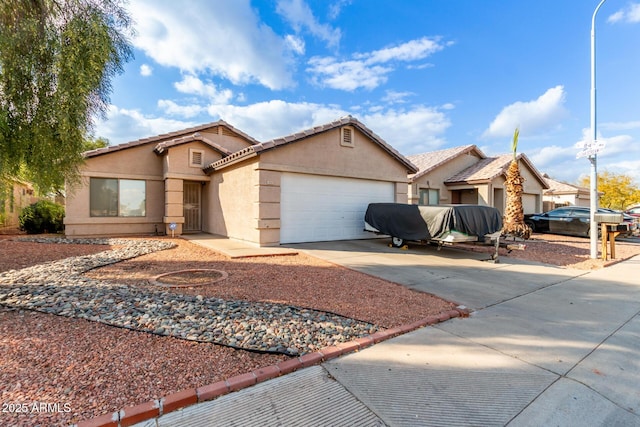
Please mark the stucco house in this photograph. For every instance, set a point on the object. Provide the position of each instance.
(563, 194)
(15, 195)
(313, 185)
(466, 175)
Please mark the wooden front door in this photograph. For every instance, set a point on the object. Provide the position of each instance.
(192, 207)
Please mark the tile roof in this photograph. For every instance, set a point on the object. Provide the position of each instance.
(162, 147)
(169, 136)
(559, 187)
(426, 162)
(491, 167)
(298, 136)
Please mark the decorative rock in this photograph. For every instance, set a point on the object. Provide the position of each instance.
(59, 288)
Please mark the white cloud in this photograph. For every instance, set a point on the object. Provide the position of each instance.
(617, 126)
(296, 44)
(533, 117)
(122, 125)
(545, 157)
(627, 167)
(336, 7)
(300, 17)
(187, 111)
(276, 118)
(192, 85)
(347, 75)
(410, 51)
(146, 70)
(410, 131)
(614, 145)
(629, 15)
(394, 97)
(369, 70)
(619, 154)
(224, 38)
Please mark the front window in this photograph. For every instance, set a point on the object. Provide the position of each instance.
(429, 196)
(117, 197)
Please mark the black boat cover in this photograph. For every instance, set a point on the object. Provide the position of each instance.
(414, 222)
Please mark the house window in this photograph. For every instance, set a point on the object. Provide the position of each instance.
(117, 197)
(347, 136)
(196, 158)
(429, 196)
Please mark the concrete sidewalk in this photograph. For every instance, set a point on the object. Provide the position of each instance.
(236, 248)
(544, 346)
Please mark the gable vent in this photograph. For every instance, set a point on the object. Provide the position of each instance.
(346, 137)
(196, 158)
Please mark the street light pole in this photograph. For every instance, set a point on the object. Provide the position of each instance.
(593, 159)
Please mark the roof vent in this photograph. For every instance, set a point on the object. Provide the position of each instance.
(346, 136)
(196, 158)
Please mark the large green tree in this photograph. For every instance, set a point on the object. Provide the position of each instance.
(617, 190)
(57, 59)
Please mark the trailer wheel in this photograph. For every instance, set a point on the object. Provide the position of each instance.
(397, 242)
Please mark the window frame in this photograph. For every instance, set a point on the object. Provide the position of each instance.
(114, 208)
(429, 192)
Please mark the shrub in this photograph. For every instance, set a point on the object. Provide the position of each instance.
(42, 217)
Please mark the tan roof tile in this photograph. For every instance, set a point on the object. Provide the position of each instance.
(169, 136)
(298, 136)
(491, 167)
(559, 187)
(426, 162)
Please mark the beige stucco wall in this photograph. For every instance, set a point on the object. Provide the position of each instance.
(177, 162)
(244, 199)
(13, 199)
(435, 179)
(323, 154)
(241, 201)
(79, 222)
(226, 138)
(135, 163)
(231, 198)
(478, 193)
(532, 189)
(164, 176)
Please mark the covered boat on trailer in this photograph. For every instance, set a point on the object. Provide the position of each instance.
(440, 224)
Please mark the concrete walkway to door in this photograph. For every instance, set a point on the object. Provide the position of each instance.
(544, 346)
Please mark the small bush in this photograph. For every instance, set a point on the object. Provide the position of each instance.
(42, 217)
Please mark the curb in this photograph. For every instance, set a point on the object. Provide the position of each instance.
(131, 415)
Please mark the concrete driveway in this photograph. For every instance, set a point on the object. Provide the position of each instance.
(545, 346)
(468, 278)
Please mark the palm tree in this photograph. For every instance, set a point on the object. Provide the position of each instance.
(513, 220)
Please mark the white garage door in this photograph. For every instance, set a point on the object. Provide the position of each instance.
(318, 208)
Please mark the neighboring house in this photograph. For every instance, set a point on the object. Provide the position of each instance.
(16, 196)
(427, 187)
(465, 175)
(564, 194)
(314, 185)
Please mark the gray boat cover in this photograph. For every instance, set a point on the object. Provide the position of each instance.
(413, 222)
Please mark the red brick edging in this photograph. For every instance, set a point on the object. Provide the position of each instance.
(131, 415)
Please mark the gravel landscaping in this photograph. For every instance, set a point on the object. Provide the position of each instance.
(64, 361)
(86, 329)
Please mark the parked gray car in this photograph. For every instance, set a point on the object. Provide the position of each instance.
(573, 221)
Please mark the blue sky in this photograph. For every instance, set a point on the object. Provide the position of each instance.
(423, 74)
